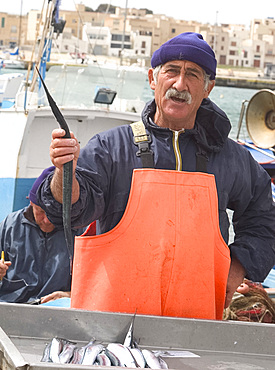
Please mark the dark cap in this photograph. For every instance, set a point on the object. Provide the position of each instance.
(187, 46)
(38, 181)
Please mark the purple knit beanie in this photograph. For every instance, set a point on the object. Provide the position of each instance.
(38, 181)
(187, 46)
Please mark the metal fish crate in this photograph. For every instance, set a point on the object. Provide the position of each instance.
(25, 331)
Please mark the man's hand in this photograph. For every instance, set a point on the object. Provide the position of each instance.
(235, 278)
(3, 268)
(55, 295)
(63, 151)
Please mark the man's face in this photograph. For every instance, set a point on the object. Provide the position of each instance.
(41, 219)
(182, 76)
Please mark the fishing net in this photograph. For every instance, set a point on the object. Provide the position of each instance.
(255, 305)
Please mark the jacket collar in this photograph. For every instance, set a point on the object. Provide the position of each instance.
(211, 129)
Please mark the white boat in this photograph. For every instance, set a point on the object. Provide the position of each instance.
(14, 64)
(9, 85)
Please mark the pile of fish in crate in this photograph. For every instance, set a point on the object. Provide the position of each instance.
(128, 354)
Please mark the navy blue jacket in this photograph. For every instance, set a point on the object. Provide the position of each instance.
(105, 170)
(40, 261)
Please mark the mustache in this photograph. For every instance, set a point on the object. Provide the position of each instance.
(174, 93)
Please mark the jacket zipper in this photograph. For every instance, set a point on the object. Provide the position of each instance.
(176, 135)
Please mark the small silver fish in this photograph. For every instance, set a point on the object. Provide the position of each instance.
(67, 352)
(163, 364)
(138, 356)
(103, 360)
(46, 353)
(113, 358)
(91, 353)
(80, 352)
(78, 356)
(129, 338)
(56, 348)
(152, 361)
(123, 354)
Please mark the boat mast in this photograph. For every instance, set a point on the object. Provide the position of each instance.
(44, 46)
(20, 27)
(123, 35)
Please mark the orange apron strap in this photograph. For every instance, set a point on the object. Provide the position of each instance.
(165, 257)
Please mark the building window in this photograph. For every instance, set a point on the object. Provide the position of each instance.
(257, 48)
(143, 44)
(173, 30)
(119, 38)
(233, 43)
(13, 29)
(93, 36)
(3, 22)
(116, 37)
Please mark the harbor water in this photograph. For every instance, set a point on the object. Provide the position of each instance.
(230, 99)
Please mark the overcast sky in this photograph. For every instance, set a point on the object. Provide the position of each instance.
(232, 11)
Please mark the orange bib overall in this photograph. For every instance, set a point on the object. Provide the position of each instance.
(165, 257)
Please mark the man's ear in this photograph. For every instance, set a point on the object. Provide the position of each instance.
(210, 87)
(151, 79)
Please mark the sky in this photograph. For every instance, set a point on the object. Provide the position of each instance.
(215, 11)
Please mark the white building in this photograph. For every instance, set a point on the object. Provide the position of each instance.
(97, 38)
(121, 43)
(142, 42)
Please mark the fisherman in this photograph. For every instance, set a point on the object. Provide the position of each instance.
(37, 261)
(169, 237)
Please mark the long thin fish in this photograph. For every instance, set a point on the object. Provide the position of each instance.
(129, 338)
(67, 173)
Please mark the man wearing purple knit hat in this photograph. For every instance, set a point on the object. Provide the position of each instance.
(182, 131)
(37, 261)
